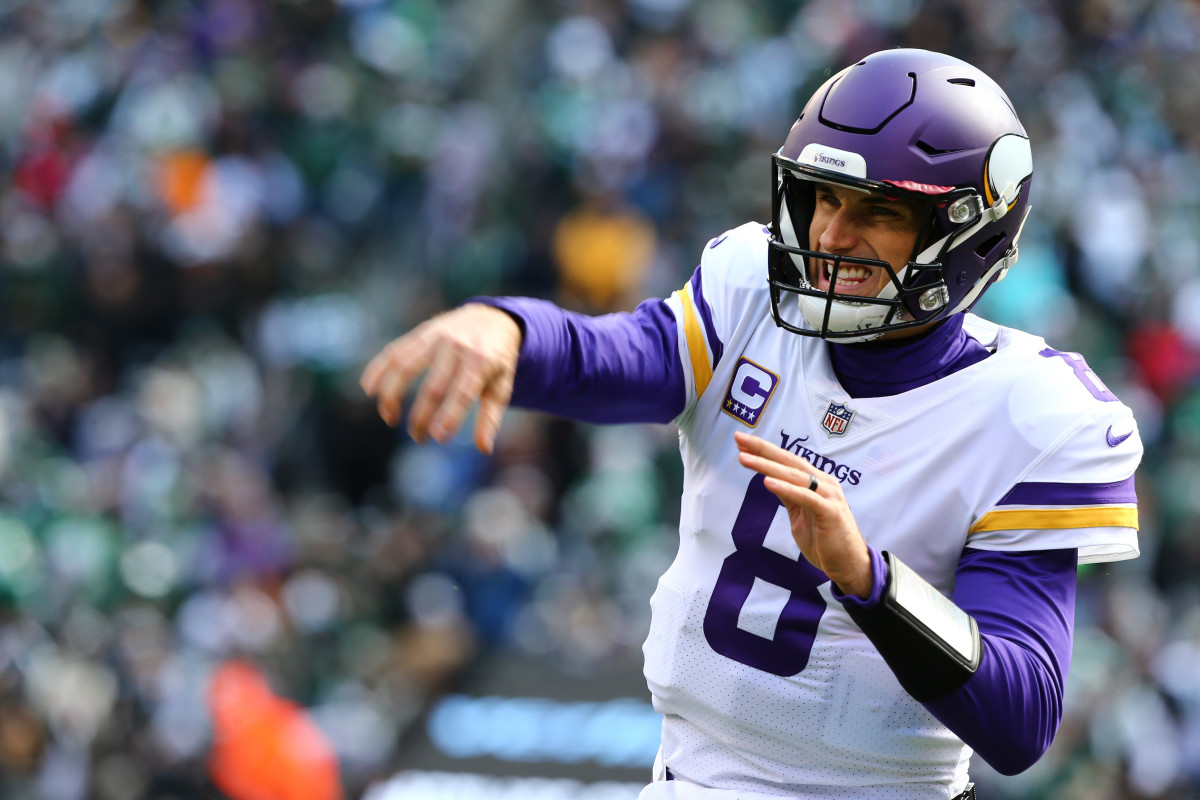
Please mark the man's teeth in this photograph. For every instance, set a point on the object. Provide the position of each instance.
(848, 273)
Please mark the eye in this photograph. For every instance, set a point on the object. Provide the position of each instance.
(900, 213)
(828, 199)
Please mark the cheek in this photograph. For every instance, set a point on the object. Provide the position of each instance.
(815, 229)
(898, 249)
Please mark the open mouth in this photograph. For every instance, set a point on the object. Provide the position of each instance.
(850, 277)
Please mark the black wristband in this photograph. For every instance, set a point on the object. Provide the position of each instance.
(931, 645)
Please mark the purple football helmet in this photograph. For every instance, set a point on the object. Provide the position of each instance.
(913, 125)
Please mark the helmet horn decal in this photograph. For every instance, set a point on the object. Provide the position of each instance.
(1009, 163)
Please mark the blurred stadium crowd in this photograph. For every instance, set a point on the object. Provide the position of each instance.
(213, 211)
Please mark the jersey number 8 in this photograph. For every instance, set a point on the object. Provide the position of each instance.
(787, 652)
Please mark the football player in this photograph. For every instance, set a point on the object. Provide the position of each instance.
(885, 496)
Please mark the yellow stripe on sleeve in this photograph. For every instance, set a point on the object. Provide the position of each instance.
(1015, 519)
(701, 369)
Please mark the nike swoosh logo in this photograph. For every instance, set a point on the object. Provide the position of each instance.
(1113, 441)
(718, 240)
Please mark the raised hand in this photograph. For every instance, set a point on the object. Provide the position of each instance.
(822, 523)
(468, 356)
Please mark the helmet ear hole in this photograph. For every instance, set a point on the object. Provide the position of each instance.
(988, 247)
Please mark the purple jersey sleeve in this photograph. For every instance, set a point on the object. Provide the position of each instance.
(1010, 709)
(620, 367)
(1024, 602)
(878, 581)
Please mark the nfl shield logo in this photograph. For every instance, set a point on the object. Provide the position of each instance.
(837, 419)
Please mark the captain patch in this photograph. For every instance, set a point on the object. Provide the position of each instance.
(749, 392)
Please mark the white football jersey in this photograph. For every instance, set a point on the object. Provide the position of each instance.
(784, 695)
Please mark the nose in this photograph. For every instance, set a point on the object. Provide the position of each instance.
(841, 234)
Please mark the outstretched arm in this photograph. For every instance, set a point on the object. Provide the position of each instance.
(621, 367)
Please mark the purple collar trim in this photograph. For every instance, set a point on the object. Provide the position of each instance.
(881, 369)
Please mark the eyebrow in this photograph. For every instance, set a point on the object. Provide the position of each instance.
(871, 197)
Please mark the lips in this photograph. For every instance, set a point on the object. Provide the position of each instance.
(850, 276)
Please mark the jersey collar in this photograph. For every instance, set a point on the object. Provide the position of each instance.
(881, 369)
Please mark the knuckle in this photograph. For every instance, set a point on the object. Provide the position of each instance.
(461, 397)
(432, 392)
(473, 357)
(427, 399)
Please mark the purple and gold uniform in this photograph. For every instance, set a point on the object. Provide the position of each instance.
(985, 460)
(988, 461)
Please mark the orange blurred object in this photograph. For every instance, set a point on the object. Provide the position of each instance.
(181, 180)
(603, 253)
(265, 747)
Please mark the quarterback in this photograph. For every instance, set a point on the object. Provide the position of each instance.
(886, 497)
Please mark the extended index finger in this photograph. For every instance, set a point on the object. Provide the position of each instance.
(797, 474)
(753, 445)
